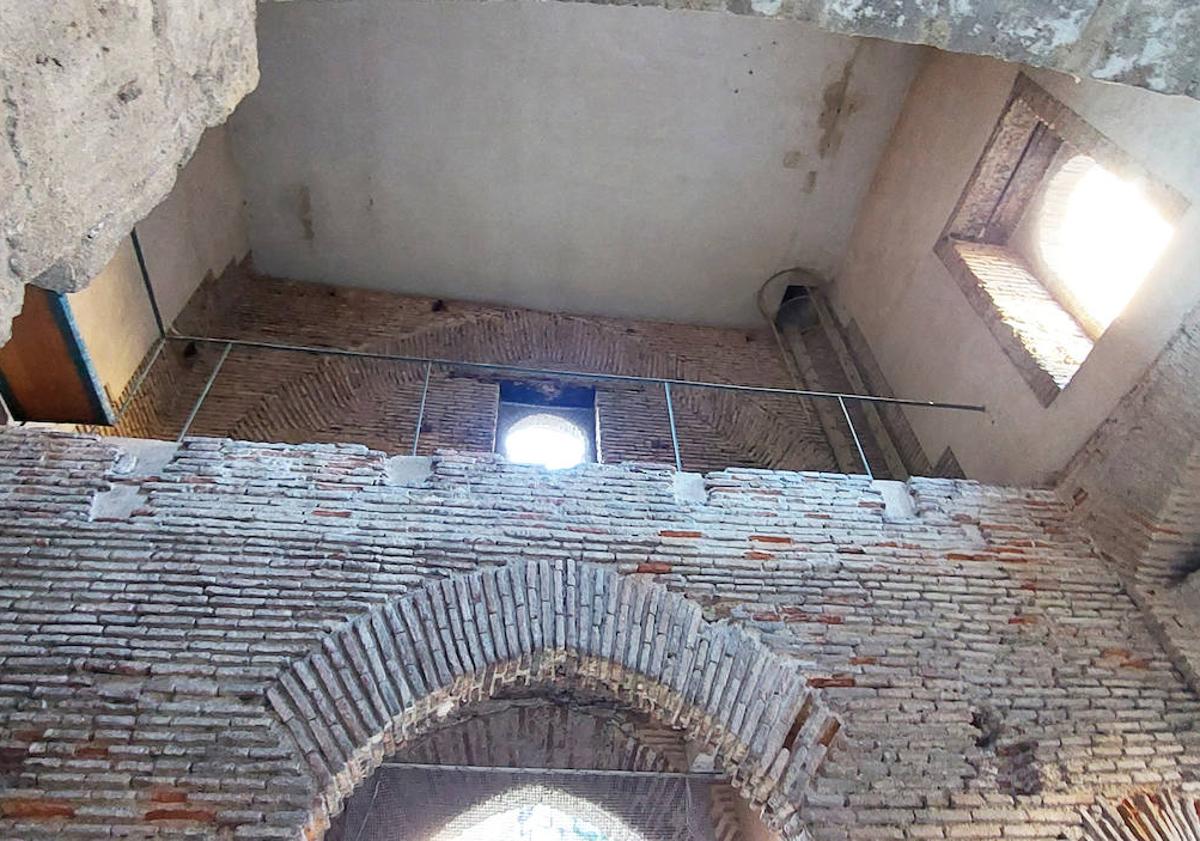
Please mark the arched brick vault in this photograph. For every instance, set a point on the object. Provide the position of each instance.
(387, 676)
(443, 805)
(530, 729)
(300, 398)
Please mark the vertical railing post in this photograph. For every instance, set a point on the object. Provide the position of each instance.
(671, 419)
(131, 393)
(187, 425)
(854, 434)
(141, 261)
(421, 411)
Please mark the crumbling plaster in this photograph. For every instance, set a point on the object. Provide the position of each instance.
(1144, 43)
(103, 100)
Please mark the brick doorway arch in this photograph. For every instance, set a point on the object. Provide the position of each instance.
(386, 677)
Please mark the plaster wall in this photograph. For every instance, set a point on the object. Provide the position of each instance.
(925, 335)
(194, 233)
(199, 229)
(1141, 44)
(630, 162)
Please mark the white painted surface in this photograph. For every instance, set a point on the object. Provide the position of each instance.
(927, 338)
(199, 229)
(616, 160)
(196, 230)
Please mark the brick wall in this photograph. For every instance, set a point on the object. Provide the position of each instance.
(1043, 340)
(182, 652)
(1135, 489)
(297, 398)
(1135, 485)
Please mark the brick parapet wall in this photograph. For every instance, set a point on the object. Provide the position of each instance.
(988, 671)
(267, 395)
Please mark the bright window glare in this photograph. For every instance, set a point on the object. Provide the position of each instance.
(544, 439)
(537, 813)
(532, 823)
(1100, 236)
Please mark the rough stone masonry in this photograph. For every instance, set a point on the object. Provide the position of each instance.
(219, 639)
(103, 100)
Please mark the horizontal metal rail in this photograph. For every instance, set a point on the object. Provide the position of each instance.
(604, 772)
(586, 375)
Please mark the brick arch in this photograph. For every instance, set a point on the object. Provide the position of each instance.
(386, 677)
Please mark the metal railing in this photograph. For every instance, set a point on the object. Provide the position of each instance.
(665, 383)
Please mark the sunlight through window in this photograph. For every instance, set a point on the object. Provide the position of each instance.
(545, 439)
(1098, 236)
(537, 813)
(532, 823)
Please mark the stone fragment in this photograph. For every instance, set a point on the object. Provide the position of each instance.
(102, 103)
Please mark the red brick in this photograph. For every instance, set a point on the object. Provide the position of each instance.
(36, 809)
(770, 538)
(654, 567)
(673, 533)
(833, 681)
(92, 750)
(166, 794)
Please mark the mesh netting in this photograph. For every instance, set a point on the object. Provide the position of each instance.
(427, 803)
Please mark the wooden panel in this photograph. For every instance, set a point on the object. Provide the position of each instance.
(45, 373)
